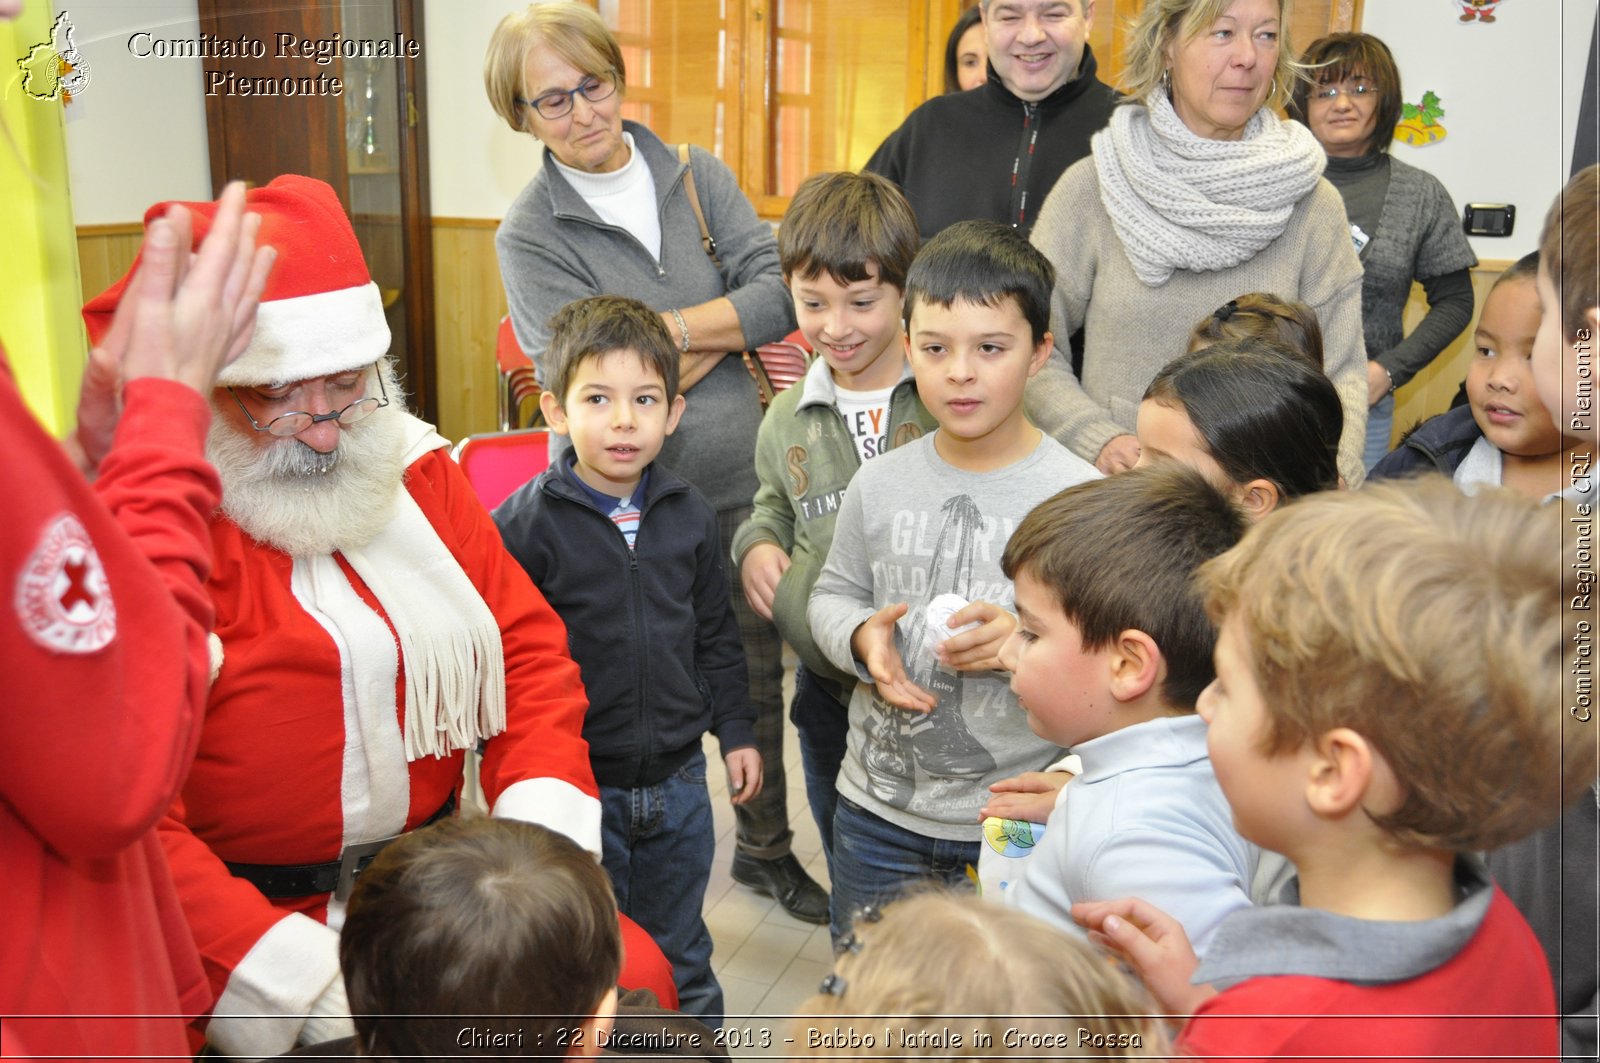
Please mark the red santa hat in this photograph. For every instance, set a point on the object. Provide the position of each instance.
(320, 313)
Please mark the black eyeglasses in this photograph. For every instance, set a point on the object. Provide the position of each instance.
(292, 424)
(558, 103)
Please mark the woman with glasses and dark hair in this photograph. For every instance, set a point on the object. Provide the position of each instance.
(613, 211)
(1403, 222)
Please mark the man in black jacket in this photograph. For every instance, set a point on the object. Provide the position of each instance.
(996, 151)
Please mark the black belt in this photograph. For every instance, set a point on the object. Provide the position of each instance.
(336, 877)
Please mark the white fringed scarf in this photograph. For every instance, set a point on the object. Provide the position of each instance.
(1182, 201)
(449, 640)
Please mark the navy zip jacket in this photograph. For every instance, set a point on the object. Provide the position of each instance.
(650, 628)
(986, 153)
(1439, 444)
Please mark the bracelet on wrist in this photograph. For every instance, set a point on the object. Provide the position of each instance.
(683, 331)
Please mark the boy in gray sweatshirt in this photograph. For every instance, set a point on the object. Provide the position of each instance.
(931, 724)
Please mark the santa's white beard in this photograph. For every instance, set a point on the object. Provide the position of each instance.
(306, 503)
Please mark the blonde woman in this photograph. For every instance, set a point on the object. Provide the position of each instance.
(1196, 192)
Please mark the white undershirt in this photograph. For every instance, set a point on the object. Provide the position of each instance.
(866, 418)
(625, 198)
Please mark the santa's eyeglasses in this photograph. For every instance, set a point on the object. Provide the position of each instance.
(292, 424)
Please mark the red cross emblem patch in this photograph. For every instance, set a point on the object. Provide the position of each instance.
(63, 598)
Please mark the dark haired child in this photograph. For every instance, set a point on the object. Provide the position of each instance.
(930, 728)
(1390, 671)
(845, 245)
(1254, 417)
(492, 936)
(628, 554)
(1112, 650)
(1503, 436)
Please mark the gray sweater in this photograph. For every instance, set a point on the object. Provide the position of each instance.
(1131, 330)
(1416, 236)
(554, 248)
(913, 527)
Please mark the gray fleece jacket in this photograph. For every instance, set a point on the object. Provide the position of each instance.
(553, 248)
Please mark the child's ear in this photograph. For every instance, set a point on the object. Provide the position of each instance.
(675, 412)
(1341, 774)
(554, 415)
(1041, 353)
(1257, 498)
(1136, 665)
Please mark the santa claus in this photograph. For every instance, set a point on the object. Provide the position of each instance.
(370, 631)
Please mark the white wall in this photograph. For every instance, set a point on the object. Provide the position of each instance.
(137, 133)
(477, 164)
(1510, 92)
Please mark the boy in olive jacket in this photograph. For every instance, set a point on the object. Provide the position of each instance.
(845, 246)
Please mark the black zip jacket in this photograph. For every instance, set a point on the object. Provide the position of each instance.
(984, 153)
(651, 628)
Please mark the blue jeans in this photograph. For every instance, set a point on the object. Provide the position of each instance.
(1380, 424)
(821, 722)
(656, 844)
(873, 860)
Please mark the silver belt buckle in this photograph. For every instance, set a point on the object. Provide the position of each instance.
(349, 861)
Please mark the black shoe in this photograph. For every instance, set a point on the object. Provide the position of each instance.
(783, 878)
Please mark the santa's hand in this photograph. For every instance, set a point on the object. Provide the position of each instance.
(873, 644)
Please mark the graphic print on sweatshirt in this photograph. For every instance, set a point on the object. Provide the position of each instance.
(901, 746)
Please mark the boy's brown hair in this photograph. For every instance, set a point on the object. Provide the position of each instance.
(839, 222)
(1569, 247)
(603, 324)
(1431, 623)
(1120, 553)
(502, 925)
(1261, 316)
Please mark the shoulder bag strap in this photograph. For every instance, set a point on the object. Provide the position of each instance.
(694, 204)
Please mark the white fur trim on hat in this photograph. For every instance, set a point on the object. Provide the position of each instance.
(311, 336)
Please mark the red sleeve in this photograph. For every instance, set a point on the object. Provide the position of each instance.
(104, 648)
(545, 702)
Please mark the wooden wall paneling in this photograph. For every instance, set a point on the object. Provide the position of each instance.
(469, 302)
(104, 254)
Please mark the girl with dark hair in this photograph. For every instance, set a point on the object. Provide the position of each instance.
(1251, 415)
(1403, 222)
(966, 53)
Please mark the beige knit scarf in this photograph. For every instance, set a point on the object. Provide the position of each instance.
(1182, 201)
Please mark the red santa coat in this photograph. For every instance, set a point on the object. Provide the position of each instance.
(278, 780)
(103, 650)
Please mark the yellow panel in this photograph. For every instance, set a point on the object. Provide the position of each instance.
(39, 301)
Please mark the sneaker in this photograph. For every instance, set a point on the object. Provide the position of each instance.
(784, 879)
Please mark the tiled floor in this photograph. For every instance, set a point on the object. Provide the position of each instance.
(767, 960)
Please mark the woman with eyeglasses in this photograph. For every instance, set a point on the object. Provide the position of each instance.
(1196, 194)
(1404, 224)
(610, 213)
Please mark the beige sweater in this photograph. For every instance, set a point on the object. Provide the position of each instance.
(1132, 330)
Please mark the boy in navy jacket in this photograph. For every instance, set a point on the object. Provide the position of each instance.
(628, 554)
